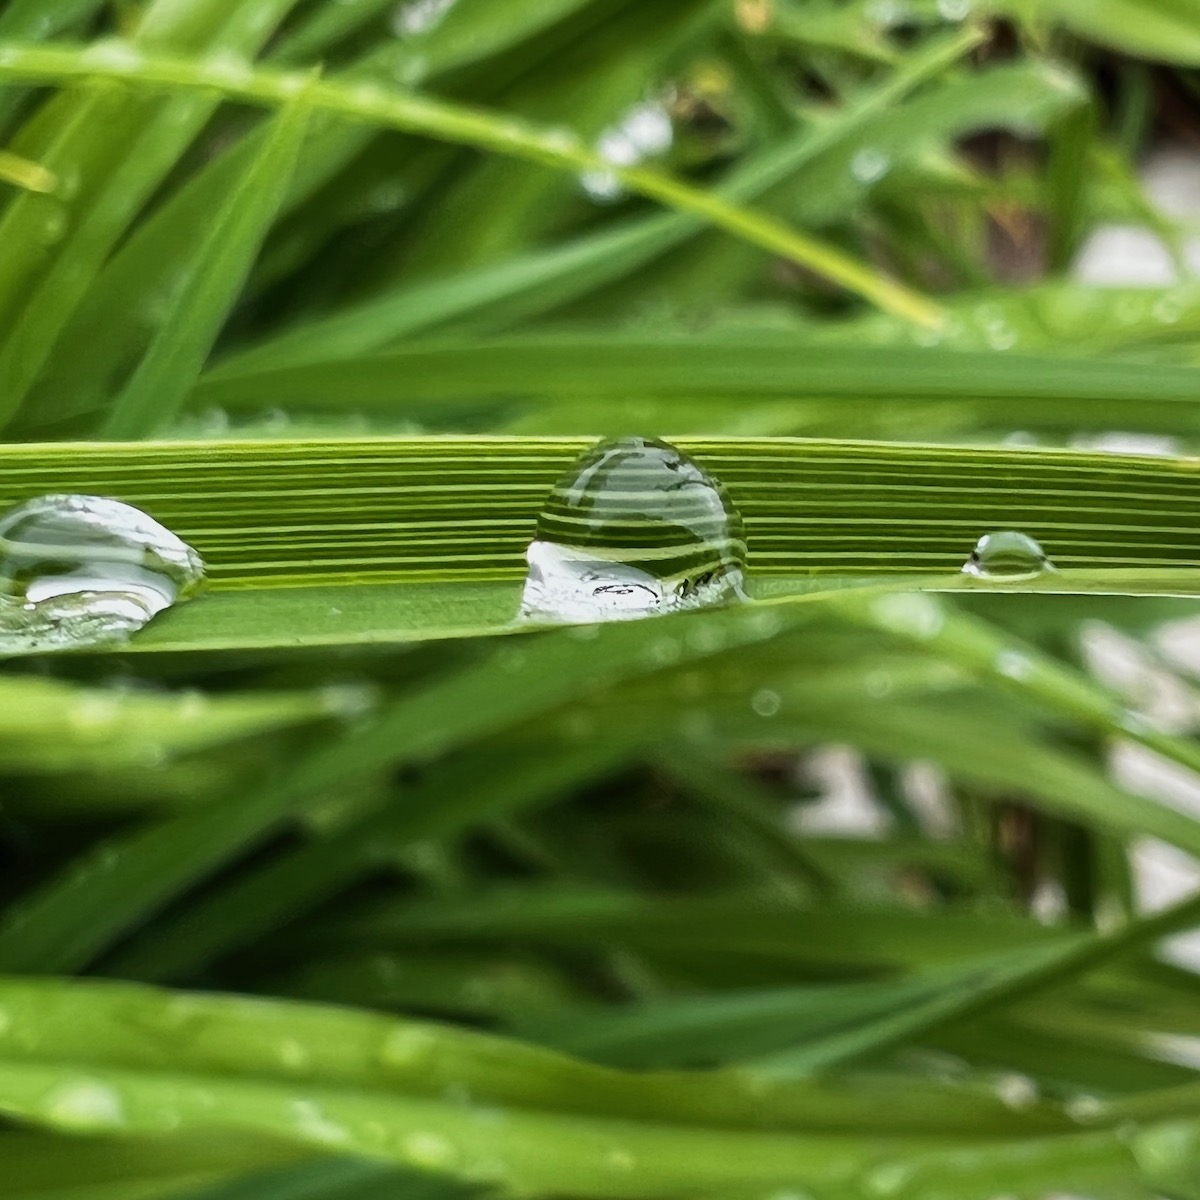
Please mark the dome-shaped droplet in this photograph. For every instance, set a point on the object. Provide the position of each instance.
(634, 528)
(80, 571)
(1007, 555)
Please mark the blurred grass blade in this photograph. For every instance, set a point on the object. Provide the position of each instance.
(209, 284)
(375, 104)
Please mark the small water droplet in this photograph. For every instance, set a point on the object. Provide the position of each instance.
(1007, 555)
(1168, 310)
(54, 224)
(113, 55)
(1084, 1108)
(870, 164)
(294, 1055)
(644, 131)
(766, 703)
(419, 17)
(1016, 1091)
(1013, 664)
(429, 1150)
(620, 1160)
(635, 528)
(84, 570)
(94, 710)
(405, 1046)
(910, 614)
(228, 70)
(85, 1104)
(312, 1122)
(954, 10)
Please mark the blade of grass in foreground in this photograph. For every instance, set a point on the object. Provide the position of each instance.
(379, 510)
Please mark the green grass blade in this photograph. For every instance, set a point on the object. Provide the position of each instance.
(375, 104)
(209, 285)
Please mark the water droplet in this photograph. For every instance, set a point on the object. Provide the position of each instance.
(1007, 555)
(112, 54)
(294, 1055)
(1084, 1108)
(405, 1046)
(620, 1160)
(1013, 664)
(954, 10)
(84, 570)
(870, 164)
(429, 1150)
(634, 528)
(910, 614)
(94, 710)
(1168, 310)
(644, 131)
(1016, 1090)
(85, 1104)
(766, 703)
(228, 70)
(54, 225)
(312, 1122)
(419, 16)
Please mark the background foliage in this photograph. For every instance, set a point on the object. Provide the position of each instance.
(333, 885)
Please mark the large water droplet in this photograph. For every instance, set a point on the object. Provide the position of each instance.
(633, 529)
(80, 571)
(1007, 555)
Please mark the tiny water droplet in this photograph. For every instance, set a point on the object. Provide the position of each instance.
(81, 571)
(635, 528)
(1168, 310)
(54, 226)
(1013, 664)
(766, 703)
(419, 17)
(429, 1150)
(312, 1122)
(870, 164)
(85, 1104)
(294, 1055)
(228, 70)
(644, 131)
(910, 614)
(620, 1160)
(113, 54)
(1007, 555)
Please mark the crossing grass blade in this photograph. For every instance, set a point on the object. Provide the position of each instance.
(209, 285)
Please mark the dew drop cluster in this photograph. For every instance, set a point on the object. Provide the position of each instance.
(78, 571)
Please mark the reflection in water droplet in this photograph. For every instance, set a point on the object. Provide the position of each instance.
(635, 528)
(81, 571)
(1007, 555)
